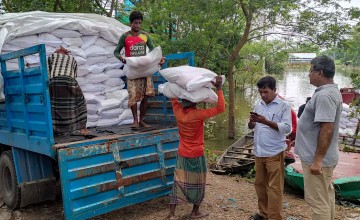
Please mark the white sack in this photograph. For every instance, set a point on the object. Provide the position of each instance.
(109, 104)
(93, 118)
(107, 122)
(10, 48)
(51, 40)
(92, 108)
(114, 73)
(96, 87)
(61, 33)
(97, 68)
(90, 124)
(88, 41)
(25, 41)
(76, 51)
(118, 94)
(110, 114)
(114, 81)
(126, 114)
(96, 78)
(189, 77)
(94, 60)
(2, 96)
(346, 107)
(91, 98)
(112, 59)
(96, 50)
(81, 80)
(73, 41)
(112, 89)
(143, 66)
(128, 121)
(79, 60)
(32, 59)
(204, 94)
(114, 66)
(83, 70)
(103, 43)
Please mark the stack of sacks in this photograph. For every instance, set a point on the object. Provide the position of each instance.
(191, 83)
(91, 39)
(347, 123)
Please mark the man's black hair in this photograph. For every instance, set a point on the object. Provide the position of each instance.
(324, 63)
(135, 15)
(267, 82)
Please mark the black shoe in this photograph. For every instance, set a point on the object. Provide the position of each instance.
(257, 216)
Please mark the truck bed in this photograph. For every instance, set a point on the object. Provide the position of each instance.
(99, 132)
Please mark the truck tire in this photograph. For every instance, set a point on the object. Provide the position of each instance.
(9, 188)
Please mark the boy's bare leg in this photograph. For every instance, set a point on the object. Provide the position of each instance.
(143, 112)
(135, 116)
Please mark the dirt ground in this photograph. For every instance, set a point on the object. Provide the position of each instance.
(227, 197)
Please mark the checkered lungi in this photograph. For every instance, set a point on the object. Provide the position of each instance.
(68, 106)
(189, 180)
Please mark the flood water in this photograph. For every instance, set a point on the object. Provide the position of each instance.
(294, 86)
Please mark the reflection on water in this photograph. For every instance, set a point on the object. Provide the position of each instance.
(293, 85)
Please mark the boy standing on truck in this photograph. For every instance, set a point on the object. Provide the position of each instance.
(68, 107)
(135, 42)
(190, 170)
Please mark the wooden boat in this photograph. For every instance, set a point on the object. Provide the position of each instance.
(346, 177)
(238, 158)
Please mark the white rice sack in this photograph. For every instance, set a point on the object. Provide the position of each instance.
(73, 41)
(32, 59)
(114, 73)
(344, 121)
(111, 50)
(204, 94)
(342, 126)
(94, 60)
(79, 60)
(118, 94)
(112, 89)
(25, 41)
(81, 80)
(107, 122)
(49, 50)
(126, 122)
(112, 113)
(96, 78)
(12, 66)
(10, 48)
(346, 107)
(90, 124)
(189, 76)
(77, 51)
(143, 66)
(104, 43)
(126, 114)
(96, 50)
(2, 96)
(112, 59)
(100, 97)
(91, 98)
(49, 39)
(125, 104)
(114, 81)
(93, 117)
(117, 65)
(61, 33)
(88, 41)
(97, 68)
(344, 114)
(83, 70)
(354, 120)
(96, 87)
(108, 104)
(202, 81)
(92, 108)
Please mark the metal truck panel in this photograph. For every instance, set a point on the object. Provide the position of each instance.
(25, 119)
(113, 173)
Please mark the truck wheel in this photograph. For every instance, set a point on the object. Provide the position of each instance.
(9, 187)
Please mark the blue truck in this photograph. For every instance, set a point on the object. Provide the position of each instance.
(110, 169)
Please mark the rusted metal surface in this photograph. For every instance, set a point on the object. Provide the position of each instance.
(140, 178)
(136, 161)
(93, 170)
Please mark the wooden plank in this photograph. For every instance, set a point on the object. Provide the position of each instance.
(240, 158)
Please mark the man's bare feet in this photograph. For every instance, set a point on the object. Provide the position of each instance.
(135, 124)
(84, 131)
(198, 214)
(170, 217)
(143, 124)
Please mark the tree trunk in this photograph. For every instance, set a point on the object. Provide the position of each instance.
(230, 76)
(7, 6)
